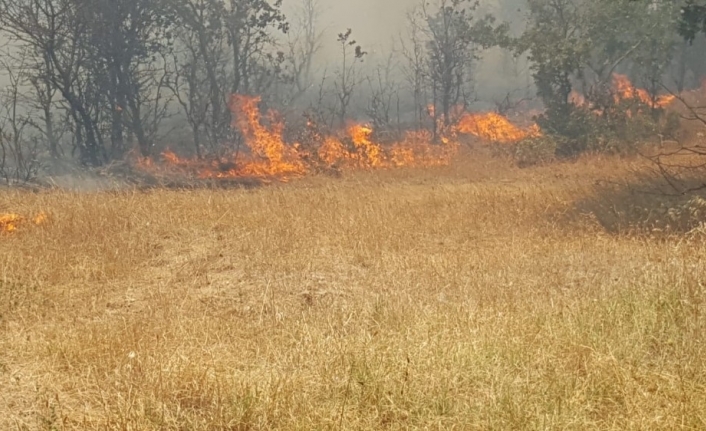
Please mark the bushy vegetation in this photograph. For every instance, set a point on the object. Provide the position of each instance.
(577, 47)
(620, 129)
(100, 79)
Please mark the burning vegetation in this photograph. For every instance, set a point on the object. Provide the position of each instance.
(11, 222)
(625, 90)
(191, 65)
(493, 127)
(622, 89)
(268, 155)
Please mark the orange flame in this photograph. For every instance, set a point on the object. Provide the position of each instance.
(275, 157)
(40, 218)
(271, 157)
(10, 222)
(366, 151)
(623, 89)
(494, 127)
(416, 149)
(577, 98)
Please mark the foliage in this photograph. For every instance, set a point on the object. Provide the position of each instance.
(693, 20)
(557, 52)
(578, 46)
(101, 57)
(222, 48)
(454, 37)
(103, 76)
(535, 150)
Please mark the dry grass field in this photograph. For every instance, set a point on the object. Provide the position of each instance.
(474, 297)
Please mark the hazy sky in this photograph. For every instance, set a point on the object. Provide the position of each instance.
(369, 18)
(374, 22)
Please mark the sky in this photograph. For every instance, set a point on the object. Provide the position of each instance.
(374, 22)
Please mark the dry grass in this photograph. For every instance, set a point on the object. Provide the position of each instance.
(444, 299)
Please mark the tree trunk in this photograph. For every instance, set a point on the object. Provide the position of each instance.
(138, 129)
(51, 136)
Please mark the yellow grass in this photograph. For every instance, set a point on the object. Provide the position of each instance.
(462, 298)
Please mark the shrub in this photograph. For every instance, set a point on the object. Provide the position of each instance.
(671, 125)
(535, 150)
(618, 128)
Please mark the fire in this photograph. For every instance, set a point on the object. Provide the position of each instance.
(367, 152)
(274, 157)
(40, 218)
(416, 149)
(271, 157)
(331, 151)
(10, 222)
(577, 98)
(623, 89)
(354, 147)
(494, 127)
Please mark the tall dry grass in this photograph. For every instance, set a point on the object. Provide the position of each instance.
(465, 298)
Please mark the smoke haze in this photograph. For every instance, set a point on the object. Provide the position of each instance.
(380, 27)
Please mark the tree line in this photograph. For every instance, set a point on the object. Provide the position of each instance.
(95, 79)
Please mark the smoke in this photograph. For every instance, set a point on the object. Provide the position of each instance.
(381, 27)
(390, 91)
(375, 23)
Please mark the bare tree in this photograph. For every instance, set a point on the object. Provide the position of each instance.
(303, 43)
(37, 94)
(319, 112)
(101, 57)
(201, 68)
(249, 25)
(125, 38)
(383, 93)
(347, 77)
(18, 152)
(189, 85)
(415, 68)
(684, 166)
(223, 48)
(453, 42)
(52, 30)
